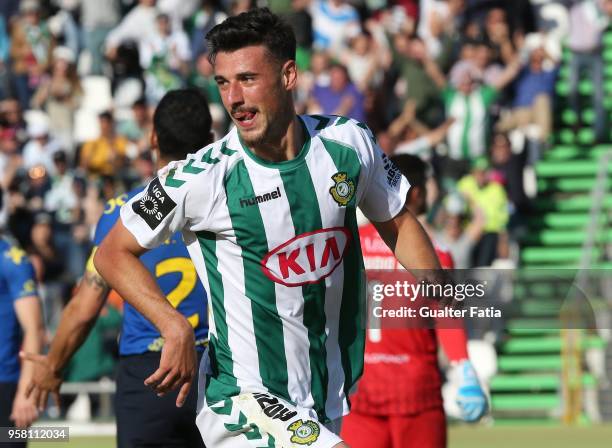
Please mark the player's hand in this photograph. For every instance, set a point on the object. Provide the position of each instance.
(24, 411)
(45, 380)
(470, 397)
(177, 366)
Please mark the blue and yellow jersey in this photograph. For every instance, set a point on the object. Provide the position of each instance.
(176, 276)
(16, 281)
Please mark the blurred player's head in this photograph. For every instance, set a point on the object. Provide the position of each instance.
(181, 124)
(415, 170)
(253, 55)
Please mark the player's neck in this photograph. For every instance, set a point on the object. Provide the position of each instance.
(286, 147)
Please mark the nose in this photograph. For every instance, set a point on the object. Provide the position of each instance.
(234, 94)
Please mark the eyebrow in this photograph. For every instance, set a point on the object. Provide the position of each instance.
(240, 75)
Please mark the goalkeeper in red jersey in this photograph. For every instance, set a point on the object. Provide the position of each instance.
(398, 402)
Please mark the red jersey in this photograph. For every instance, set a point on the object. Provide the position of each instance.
(401, 373)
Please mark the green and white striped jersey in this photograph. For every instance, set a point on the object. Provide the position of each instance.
(277, 249)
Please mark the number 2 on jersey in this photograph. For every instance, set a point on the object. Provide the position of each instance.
(188, 280)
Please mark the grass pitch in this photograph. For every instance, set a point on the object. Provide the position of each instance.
(598, 436)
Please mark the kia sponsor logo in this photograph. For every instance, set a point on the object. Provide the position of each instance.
(307, 258)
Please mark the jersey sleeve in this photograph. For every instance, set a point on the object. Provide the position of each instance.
(382, 188)
(21, 272)
(172, 202)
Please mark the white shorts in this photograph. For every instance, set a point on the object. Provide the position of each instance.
(263, 421)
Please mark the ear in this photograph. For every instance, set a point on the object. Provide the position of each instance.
(289, 74)
(153, 139)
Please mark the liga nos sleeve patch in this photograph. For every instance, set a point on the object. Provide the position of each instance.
(154, 205)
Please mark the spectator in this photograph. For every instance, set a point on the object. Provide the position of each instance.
(334, 22)
(165, 58)
(490, 197)
(137, 129)
(5, 45)
(468, 102)
(363, 61)
(439, 20)
(205, 18)
(532, 103)
(203, 78)
(508, 170)
(137, 26)
(340, 98)
(588, 20)
(59, 95)
(12, 122)
(31, 47)
(459, 239)
(416, 83)
(106, 155)
(61, 201)
(98, 18)
(41, 147)
(497, 32)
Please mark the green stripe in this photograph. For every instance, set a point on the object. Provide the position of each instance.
(465, 145)
(223, 407)
(306, 217)
(226, 151)
(251, 237)
(351, 329)
(189, 168)
(341, 121)
(223, 383)
(171, 181)
(208, 158)
(239, 426)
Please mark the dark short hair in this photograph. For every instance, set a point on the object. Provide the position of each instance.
(182, 123)
(412, 167)
(258, 26)
(106, 115)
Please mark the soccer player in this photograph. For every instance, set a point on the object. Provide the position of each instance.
(268, 213)
(181, 124)
(398, 403)
(21, 325)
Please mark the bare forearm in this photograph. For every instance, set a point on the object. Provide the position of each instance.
(77, 320)
(125, 273)
(414, 249)
(32, 343)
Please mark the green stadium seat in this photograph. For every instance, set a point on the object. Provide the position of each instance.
(575, 168)
(529, 363)
(564, 237)
(505, 383)
(569, 204)
(569, 184)
(559, 256)
(586, 87)
(559, 220)
(521, 402)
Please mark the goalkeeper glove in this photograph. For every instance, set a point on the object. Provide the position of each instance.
(470, 397)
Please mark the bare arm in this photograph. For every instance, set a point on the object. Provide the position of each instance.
(508, 74)
(29, 315)
(118, 263)
(408, 240)
(76, 322)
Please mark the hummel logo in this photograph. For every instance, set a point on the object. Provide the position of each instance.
(261, 198)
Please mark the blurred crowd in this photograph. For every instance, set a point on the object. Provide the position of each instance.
(467, 85)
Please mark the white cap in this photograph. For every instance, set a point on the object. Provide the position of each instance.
(38, 128)
(64, 53)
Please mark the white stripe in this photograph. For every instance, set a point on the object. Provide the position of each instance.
(476, 133)
(458, 111)
(289, 300)
(320, 162)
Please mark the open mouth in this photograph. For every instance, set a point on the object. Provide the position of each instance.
(245, 118)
